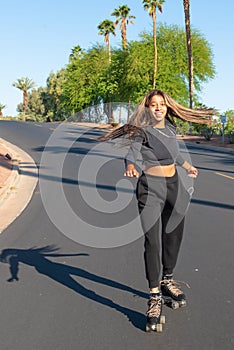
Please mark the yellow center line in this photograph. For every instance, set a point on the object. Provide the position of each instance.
(229, 177)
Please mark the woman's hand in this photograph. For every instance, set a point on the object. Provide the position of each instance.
(131, 171)
(192, 172)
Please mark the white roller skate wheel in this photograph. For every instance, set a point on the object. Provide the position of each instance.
(175, 305)
(183, 303)
(147, 328)
(159, 328)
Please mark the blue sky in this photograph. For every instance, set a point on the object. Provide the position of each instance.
(37, 37)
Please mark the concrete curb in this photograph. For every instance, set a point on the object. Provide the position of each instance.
(9, 182)
(19, 187)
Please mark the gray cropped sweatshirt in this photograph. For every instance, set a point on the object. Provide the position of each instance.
(157, 146)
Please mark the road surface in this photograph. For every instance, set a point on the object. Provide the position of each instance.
(58, 293)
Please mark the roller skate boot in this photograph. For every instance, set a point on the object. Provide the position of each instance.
(173, 296)
(154, 313)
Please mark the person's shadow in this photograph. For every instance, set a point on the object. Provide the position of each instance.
(61, 273)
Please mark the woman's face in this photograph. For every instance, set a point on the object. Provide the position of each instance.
(158, 108)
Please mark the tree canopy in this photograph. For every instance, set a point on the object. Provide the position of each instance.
(89, 78)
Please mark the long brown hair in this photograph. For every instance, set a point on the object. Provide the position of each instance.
(142, 117)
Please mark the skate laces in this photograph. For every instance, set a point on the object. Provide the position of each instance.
(174, 286)
(155, 304)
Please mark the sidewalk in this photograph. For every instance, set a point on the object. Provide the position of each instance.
(6, 166)
(17, 184)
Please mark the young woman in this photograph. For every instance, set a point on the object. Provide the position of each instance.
(162, 199)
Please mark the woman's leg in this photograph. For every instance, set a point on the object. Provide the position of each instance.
(171, 241)
(152, 253)
(150, 207)
(150, 211)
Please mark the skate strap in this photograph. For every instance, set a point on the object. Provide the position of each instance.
(154, 306)
(176, 283)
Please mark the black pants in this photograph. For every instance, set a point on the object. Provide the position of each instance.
(162, 204)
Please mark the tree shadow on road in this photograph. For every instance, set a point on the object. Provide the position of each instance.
(61, 273)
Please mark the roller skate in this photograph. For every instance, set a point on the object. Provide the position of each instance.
(155, 320)
(172, 294)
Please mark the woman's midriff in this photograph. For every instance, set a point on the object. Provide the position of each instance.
(162, 170)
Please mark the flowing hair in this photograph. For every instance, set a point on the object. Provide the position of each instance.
(142, 116)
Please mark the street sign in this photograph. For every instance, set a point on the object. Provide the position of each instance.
(224, 119)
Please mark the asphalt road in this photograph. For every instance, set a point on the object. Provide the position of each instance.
(59, 293)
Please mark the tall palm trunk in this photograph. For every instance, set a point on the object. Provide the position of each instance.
(123, 18)
(109, 50)
(151, 6)
(124, 35)
(106, 28)
(107, 39)
(189, 48)
(24, 84)
(155, 49)
(25, 103)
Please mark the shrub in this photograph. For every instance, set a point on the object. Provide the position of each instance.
(231, 136)
(207, 132)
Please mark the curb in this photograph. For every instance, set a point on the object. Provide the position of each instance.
(19, 187)
(11, 180)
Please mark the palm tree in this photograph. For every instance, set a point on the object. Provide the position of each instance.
(106, 28)
(123, 18)
(1, 108)
(189, 48)
(151, 6)
(24, 84)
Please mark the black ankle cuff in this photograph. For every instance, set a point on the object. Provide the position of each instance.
(154, 295)
(167, 277)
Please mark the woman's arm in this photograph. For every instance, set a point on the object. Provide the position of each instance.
(131, 158)
(191, 170)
